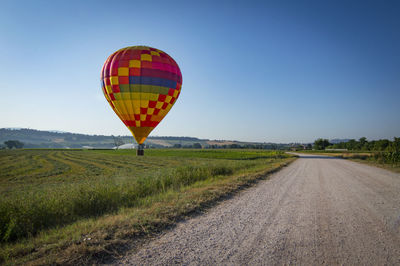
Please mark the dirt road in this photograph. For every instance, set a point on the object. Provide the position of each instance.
(318, 210)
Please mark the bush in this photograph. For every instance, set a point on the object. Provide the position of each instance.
(387, 157)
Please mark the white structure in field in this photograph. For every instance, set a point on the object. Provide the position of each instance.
(126, 146)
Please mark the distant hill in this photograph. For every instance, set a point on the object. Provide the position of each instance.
(54, 139)
(335, 141)
(58, 139)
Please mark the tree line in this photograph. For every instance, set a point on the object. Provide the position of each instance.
(360, 145)
(13, 144)
(259, 146)
(382, 151)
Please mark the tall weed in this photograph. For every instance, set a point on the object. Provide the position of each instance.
(30, 213)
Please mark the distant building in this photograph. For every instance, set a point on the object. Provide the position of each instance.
(87, 147)
(126, 146)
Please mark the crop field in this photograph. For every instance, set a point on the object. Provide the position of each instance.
(51, 199)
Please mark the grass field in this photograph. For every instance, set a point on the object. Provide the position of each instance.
(77, 206)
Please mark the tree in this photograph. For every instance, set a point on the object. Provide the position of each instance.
(118, 141)
(13, 144)
(197, 145)
(363, 143)
(395, 145)
(321, 144)
(351, 145)
(381, 145)
(235, 146)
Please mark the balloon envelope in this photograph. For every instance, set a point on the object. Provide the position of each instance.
(141, 84)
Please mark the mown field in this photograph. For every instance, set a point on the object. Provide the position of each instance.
(83, 206)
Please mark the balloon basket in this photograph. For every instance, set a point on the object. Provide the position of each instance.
(140, 150)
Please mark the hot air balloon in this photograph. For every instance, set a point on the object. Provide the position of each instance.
(141, 84)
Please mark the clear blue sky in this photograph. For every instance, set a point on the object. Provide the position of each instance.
(273, 71)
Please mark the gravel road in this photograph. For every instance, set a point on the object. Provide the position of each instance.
(318, 210)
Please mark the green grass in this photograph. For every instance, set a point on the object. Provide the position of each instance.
(232, 154)
(50, 199)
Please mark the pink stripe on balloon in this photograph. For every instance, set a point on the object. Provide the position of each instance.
(158, 65)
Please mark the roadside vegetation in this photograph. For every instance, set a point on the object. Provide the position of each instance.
(383, 153)
(83, 206)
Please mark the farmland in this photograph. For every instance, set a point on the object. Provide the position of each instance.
(51, 199)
